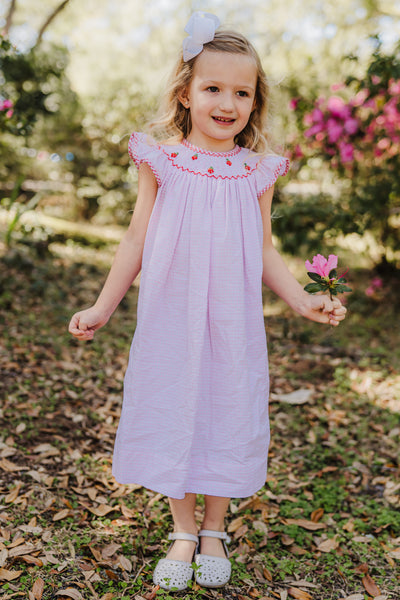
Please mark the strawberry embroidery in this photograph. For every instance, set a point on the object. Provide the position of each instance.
(211, 170)
(174, 154)
(195, 157)
(228, 162)
(247, 167)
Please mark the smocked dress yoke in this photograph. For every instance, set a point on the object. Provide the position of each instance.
(195, 407)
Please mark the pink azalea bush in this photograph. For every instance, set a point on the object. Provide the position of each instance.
(355, 130)
(365, 127)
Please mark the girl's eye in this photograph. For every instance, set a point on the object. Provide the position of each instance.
(212, 88)
(242, 93)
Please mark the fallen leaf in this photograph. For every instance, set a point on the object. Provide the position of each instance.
(37, 589)
(305, 524)
(71, 593)
(299, 594)
(260, 526)
(235, 524)
(395, 553)
(370, 586)
(328, 545)
(354, 597)
(9, 575)
(13, 495)
(125, 563)
(32, 560)
(316, 515)
(62, 514)
(21, 550)
(297, 397)
(102, 510)
(10, 467)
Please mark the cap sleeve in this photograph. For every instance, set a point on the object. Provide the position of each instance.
(144, 149)
(268, 170)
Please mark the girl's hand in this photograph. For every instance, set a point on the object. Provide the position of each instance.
(84, 323)
(324, 310)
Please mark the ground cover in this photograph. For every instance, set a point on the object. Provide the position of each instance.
(326, 525)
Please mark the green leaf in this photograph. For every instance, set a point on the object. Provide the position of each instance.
(341, 288)
(342, 280)
(314, 277)
(313, 288)
(333, 274)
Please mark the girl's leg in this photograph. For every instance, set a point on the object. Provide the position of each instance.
(215, 511)
(184, 521)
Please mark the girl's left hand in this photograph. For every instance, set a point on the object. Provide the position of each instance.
(324, 310)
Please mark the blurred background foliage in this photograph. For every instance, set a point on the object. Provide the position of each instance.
(76, 78)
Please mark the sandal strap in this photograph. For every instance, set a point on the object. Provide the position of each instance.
(222, 535)
(183, 536)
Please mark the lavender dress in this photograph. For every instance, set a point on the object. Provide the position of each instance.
(195, 409)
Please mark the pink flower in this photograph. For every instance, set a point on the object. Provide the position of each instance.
(334, 129)
(5, 104)
(369, 291)
(377, 282)
(346, 152)
(293, 103)
(351, 126)
(321, 265)
(338, 108)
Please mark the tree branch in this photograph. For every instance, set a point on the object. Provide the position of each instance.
(9, 19)
(50, 18)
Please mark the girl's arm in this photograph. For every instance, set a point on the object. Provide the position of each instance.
(126, 265)
(278, 278)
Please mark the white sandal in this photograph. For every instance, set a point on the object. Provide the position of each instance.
(174, 574)
(213, 571)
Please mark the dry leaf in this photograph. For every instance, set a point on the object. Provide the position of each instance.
(32, 560)
(260, 526)
(316, 515)
(355, 597)
(16, 542)
(395, 553)
(235, 524)
(13, 495)
(71, 593)
(37, 589)
(3, 556)
(370, 586)
(62, 514)
(299, 594)
(305, 524)
(297, 397)
(328, 545)
(20, 550)
(9, 575)
(102, 510)
(10, 467)
(125, 563)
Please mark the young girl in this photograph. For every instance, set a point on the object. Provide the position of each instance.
(195, 412)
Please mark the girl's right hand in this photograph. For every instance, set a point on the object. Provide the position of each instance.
(84, 323)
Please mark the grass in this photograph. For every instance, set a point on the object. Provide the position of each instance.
(333, 461)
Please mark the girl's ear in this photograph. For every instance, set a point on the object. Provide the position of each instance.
(184, 98)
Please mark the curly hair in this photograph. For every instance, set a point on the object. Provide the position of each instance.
(174, 122)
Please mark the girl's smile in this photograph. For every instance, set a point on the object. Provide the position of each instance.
(220, 98)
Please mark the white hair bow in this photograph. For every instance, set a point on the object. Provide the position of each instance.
(201, 29)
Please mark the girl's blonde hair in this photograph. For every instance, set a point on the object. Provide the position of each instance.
(174, 119)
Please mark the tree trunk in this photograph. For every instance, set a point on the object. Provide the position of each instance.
(9, 19)
(49, 19)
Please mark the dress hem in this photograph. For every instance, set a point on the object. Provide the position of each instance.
(201, 489)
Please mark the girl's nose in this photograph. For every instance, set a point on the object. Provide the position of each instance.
(226, 103)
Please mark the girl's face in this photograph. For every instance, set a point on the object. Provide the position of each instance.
(220, 98)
